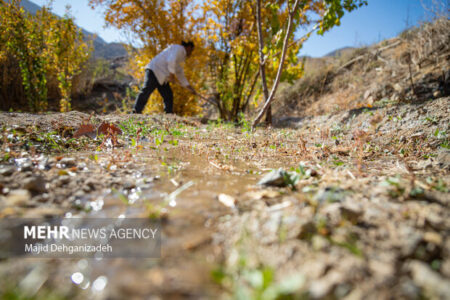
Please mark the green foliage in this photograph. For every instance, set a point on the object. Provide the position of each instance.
(335, 10)
(247, 280)
(45, 46)
(24, 39)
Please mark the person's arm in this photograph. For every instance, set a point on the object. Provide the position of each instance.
(175, 59)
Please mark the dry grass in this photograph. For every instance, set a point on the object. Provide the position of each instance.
(409, 68)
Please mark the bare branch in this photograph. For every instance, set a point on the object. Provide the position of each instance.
(262, 61)
(280, 67)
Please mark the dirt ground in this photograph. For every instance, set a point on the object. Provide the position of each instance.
(350, 205)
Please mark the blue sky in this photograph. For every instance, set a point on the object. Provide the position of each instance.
(381, 19)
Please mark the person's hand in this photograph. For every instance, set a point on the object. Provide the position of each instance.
(172, 78)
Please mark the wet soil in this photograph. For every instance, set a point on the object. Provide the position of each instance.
(362, 210)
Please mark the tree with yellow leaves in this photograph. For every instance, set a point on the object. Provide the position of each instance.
(153, 26)
(226, 62)
(44, 46)
(66, 52)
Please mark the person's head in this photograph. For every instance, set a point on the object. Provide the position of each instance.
(188, 46)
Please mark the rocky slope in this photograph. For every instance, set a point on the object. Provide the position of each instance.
(411, 68)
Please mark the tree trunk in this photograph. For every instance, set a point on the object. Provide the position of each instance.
(262, 62)
(269, 116)
(280, 67)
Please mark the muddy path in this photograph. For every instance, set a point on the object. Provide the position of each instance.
(357, 204)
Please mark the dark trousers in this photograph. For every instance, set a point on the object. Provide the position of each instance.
(150, 84)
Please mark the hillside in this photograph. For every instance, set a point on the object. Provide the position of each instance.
(339, 52)
(410, 68)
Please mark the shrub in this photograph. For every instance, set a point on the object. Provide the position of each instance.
(42, 47)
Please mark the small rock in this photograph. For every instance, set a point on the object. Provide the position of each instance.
(79, 193)
(86, 189)
(68, 162)
(330, 194)
(409, 239)
(410, 290)
(63, 180)
(395, 96)
(35, 184)
(437, 94)
(91, 183)
(306, 230)
(128, 185)
(324, 286)
(445, 268)
(443, 159)
(435, 286)
(18, 198)
(7, 171)
(435, 221)
(26, 167)
(432, 237)
(382, 269)
(398, 88)
(333, 213)
(424, 164)
(274, 178)
(352, 212)
(262, 194)
(319, 243)
(227, 200)
(41, 198)
(437, 197)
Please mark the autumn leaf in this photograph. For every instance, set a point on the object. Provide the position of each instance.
(86, 130)
(108, 128)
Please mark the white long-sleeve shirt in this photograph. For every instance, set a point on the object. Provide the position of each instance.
(167, 62)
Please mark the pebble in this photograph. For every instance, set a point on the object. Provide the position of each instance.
(7, 171)
(432, 237)
(330, 194)
(79, 193)
(41, 198)
(307, 228)
(63, 180)
(227, 200)
(443, 159)
(435, 286)
(128, 185)
(274, 178)
(382, 269)
(18, 198)
(26, 167)
(319, 243)
(351, 211)
(322, 287)
(35, 184)
(68, 162)
(91, 183)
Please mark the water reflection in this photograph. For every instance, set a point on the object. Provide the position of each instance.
(77, 277)
(99, 284)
